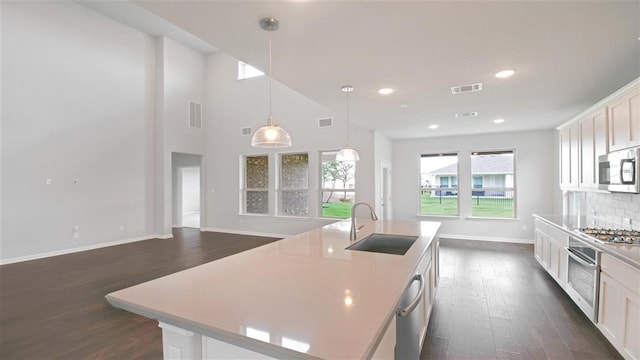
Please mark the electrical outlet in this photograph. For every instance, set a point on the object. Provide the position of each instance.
(76, 235)
(524, 227)
(121, 227)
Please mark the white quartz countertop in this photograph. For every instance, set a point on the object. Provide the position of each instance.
(304, 292)
(630, 254)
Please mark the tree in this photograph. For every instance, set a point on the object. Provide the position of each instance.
(329, 174)
(333, 171)
(345, 173)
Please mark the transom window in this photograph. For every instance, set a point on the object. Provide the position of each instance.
(246, 71)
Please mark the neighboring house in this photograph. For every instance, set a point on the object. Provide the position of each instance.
(489, 172)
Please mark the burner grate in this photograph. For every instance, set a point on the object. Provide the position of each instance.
(614, 236)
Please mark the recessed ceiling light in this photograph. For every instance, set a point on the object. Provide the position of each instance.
(404, 106)
(385, 91)
(433, 126)
(498, 121)
(505, 73)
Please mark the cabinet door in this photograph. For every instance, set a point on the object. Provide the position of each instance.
(624, 120)
(565, 157)
(610, 314)
(537, 246)
(569, 156)
(592, 134)
(553, 265)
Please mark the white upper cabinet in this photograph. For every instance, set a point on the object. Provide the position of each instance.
(624, 120)
(612, 124)
(592, 137)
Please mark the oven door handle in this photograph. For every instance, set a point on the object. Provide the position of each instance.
(577, 258)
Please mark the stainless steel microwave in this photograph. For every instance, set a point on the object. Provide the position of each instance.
(619, 171)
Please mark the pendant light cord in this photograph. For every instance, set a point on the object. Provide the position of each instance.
(348, 118)
(270, 72)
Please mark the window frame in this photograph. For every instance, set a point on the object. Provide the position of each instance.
(504, 188)
(244, 189)
(438, 188)
(280, 190)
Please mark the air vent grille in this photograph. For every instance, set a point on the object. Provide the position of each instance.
(466, 88)
(327, 122)
(195, 115)
(466, 114)
(246, 131)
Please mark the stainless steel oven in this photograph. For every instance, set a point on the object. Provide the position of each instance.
(583, 282)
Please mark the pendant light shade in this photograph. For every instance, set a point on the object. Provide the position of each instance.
(270, 135)
(347, 153)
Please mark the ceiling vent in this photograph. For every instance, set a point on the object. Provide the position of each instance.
(195, 115)
(466, 114)
(466, 88)
(246, 131)
(327, 122)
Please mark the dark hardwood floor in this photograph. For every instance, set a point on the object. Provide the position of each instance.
(54, 308)
(494, 301)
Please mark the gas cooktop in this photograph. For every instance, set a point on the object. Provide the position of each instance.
(613, 236)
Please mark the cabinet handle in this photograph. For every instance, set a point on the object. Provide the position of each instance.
(407, 310)
(580, 260)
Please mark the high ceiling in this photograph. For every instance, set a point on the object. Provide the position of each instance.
(567, 55)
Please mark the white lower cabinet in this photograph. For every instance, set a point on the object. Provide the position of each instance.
(549, 249)
(619, 308)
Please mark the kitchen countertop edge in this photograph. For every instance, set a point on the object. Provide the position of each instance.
(571, 224)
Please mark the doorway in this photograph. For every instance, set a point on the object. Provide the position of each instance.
(187, 199)
(385, 190)
(190, 188)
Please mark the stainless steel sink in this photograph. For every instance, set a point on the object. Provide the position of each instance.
(384, 243)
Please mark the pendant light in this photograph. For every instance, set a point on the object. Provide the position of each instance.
(270, 135)
(347, 153)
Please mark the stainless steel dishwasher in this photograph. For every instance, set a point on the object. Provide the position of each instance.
(408, 321)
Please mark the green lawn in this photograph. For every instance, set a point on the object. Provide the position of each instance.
(483, 207)
(340, 210)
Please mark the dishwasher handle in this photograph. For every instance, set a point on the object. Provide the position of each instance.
(409, 308)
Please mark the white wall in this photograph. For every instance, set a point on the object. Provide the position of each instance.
(76, 105)
(536, 179)
(234, 104)
(181, 78)
(383, 151)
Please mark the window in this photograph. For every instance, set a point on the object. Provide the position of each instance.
(493, 193)
(439, 184)
(255, 192)
(338, 186)
(294, 184)
(246, 71)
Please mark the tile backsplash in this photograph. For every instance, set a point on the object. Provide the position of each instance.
(611, 209)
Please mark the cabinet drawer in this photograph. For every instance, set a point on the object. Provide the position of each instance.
(621, 272)
(541, 226)
(559, 236)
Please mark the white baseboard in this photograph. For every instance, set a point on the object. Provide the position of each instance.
(486, 238)
(165, 236)
(241, 232)
(74, 250)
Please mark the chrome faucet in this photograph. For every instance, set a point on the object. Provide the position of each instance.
(374, 217)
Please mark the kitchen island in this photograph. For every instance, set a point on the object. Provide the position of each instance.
(305, 296)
